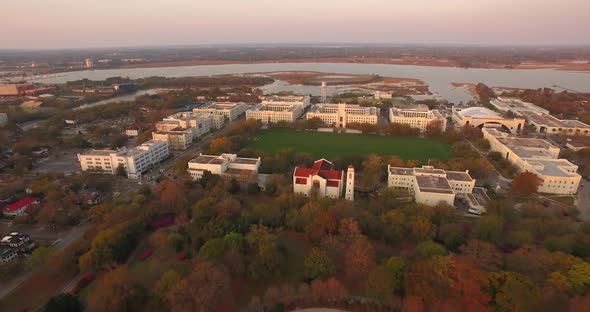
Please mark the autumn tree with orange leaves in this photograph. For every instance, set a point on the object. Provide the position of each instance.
(526, 182)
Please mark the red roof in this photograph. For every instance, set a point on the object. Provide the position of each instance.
(333, 183)
(322, 168)
(300, 181)
(322, 164)
(330, 174)
(304, 172)
(23, 203)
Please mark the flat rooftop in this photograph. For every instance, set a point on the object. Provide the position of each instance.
(552, 121)
(401, 171)
(221, 105)
(247, 161)
(459, 176)
(103, 152)
(552, 167)
(434, 184)
(273, 108)
(428, 171)
(240, 172)
(516, 105)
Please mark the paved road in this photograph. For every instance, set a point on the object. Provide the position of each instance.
(583, 200)
(74, 235)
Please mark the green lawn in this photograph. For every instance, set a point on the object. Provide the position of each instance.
(333, 145)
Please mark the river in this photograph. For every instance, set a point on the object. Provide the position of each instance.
(439, 78)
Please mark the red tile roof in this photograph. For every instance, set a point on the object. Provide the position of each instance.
(20, 204)
(300, 181)
(322, 164)
(333, 183)
(330, 174)
(322, 168)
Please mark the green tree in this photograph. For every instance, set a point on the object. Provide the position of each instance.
(317, 264)
(38, 258)
(63, 303)
(121, 171)
(430, 249)
(489, 228)
(579, 277)
(513, 292)
(164, 284)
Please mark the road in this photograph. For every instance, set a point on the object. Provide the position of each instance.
(583, 200)
(74, 235)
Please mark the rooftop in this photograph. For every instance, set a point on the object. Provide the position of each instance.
(553, 167)
(459, 176)
(552, 121)
(516, 105)
(434, 184)
(478, 112)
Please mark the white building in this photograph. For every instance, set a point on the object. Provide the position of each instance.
(302, 101)
(323, 181)
(485, 118)
(7, 254)
(505, 105)
(339, 115)
(231, 111)
(177, 138)
(383, 95)
(228, 165)
(181, 129)
(539, 157)
(136, 161)
(132, 132)
(3, 119)
(416, 116)
(275, 112)
(545, 123)
(431, 186)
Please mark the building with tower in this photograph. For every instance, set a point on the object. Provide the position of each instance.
(339, 115)
(322, 180)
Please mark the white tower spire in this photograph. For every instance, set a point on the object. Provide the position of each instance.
(349, 192)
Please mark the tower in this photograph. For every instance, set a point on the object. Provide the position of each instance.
(88, 63)
(324, 92)
(349, 191)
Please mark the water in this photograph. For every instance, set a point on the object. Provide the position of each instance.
(122, 98)
(439, 78)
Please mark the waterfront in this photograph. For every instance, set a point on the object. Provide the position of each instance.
(439, 78)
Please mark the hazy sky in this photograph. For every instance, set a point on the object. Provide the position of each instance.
(109, 23)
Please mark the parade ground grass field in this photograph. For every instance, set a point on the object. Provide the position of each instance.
(335, 145)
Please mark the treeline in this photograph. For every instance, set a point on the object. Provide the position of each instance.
(378, 254)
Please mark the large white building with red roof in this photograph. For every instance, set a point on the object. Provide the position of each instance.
(323, 181)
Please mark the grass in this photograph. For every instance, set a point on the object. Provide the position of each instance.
(334, 145)
(566, 200)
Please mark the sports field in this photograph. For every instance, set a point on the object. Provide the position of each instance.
(334, 145)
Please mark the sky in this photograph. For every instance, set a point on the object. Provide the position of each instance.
(54, 24)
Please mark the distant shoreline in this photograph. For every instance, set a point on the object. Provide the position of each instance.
(560, 65)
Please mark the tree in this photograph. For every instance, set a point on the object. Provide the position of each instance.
(264, 256)
(372, 170)
(317, 264)
(234, 186)
(513, 292)
(327, 291)
(116, 291)
(526, 182)
(219, 145)
(579, 277)
(489, 228)
(63, 303)
(388, 278)
(484, 254)
(38, 258)
(324, 224)
(164, 284)
(430, 249)
(434, 128)
(253, 188)
(359, 259)
(121, 171)
(206, 288)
